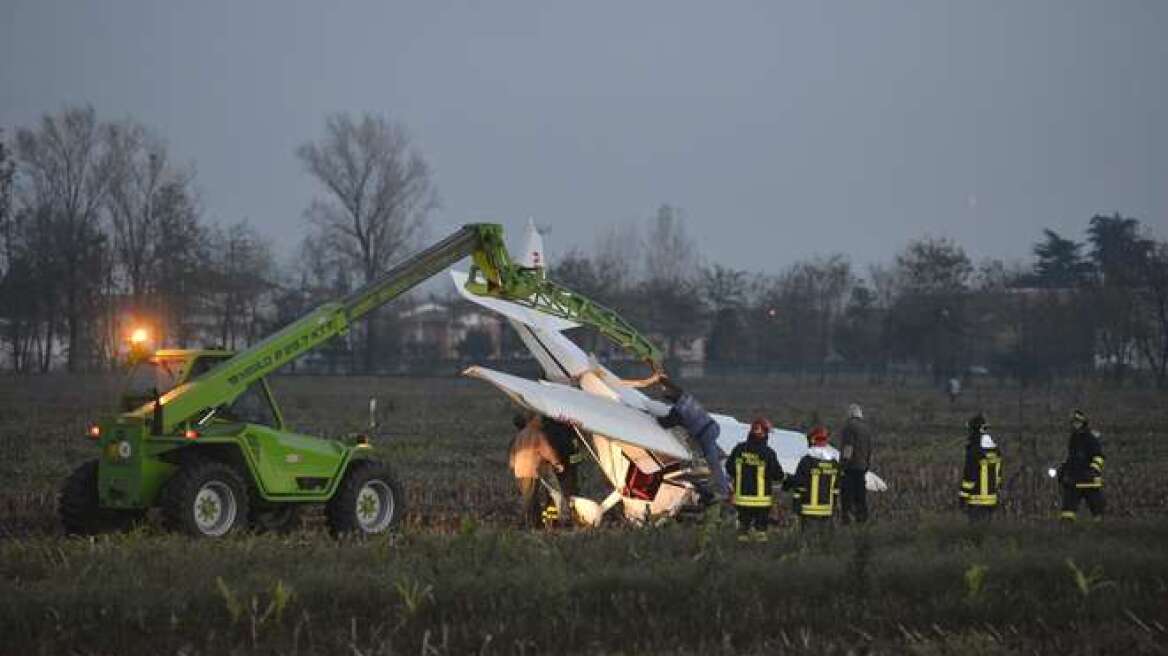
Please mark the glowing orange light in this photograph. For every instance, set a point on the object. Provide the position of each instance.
(191, 434)
(95, 431)
(139, 336)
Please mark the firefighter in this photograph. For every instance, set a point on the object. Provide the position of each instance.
(982, 476)
(814, 484)
(754, 469)
(685, 411)
(855, 461)
(1081, 475)
(530, 452)
(563, 438)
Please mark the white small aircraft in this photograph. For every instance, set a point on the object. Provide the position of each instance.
(652, 472)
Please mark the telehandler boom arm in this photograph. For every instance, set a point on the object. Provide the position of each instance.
(493, 274)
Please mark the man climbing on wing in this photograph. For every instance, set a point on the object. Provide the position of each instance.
(982, 474)
(857, 459)
(531, 451)
(754, 469)
(685, 411)
(814, 483)
(1082, 473)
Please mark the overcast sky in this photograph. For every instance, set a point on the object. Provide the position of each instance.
(782, 129)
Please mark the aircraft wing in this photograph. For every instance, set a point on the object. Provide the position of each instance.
(592, 413)
(524, 315)
(790, 446)
(558, 356)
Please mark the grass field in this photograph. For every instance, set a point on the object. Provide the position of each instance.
(459, 578)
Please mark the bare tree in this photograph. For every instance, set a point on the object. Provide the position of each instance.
(1152, 334)
(64, 176)
(378, 195)
(671, 256)
(243, 273)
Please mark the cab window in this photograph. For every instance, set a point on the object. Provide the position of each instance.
(253, 407)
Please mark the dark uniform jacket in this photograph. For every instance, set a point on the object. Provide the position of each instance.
(754, 469)
(1084, 465)
(856, 444)
(563, 440)
(815, 483)
(982, 476)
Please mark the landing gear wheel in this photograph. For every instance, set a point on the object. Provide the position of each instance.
(369, 500)
(282, 518)
(77, 505)
(205, 499)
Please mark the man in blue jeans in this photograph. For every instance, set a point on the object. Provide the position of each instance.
(690, 415)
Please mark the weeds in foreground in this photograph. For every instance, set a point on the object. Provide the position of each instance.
(279, 599)
(975, 576)
(1088, 582)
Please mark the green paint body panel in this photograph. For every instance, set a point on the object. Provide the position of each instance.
(141, 451)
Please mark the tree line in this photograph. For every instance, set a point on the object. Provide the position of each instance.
(1093, 307)
(101, 228)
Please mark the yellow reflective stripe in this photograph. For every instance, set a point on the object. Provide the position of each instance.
(814, 488)
(983, 500)
(1089, 485)
(760, 475)
(754, 502)
(967, 485)
(816, 511)
(983, 477)
(1067, 514)
(963, 494)
(738, 477)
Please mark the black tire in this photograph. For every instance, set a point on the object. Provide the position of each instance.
(78, 508)
(278, 518)
(205, 499)
(369, 500)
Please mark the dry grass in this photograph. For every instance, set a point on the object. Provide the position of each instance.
(458, 579)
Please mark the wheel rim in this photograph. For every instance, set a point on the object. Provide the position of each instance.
(214, 508)
(374, 506)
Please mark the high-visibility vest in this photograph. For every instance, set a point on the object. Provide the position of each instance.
(984, 491)
(750, 484)
(818, 500)
(1096, 481)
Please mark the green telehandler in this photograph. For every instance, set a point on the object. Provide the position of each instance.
(200, 436)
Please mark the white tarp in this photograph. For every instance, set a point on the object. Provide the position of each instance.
(592, 413)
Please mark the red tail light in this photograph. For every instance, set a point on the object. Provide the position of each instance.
(191, 434)
(94, 431)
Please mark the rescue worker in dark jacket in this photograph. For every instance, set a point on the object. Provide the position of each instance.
(563, 439)
(754, 469)
(981, 478)
(1081, 475)
(690, 415)
(815, 481)
(856, 460)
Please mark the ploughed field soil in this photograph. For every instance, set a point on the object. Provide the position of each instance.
(458, 577)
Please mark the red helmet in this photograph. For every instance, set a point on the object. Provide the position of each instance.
(818, 435)
(761, 426)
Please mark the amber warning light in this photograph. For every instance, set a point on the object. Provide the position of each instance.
(139, 337)
(94, 431)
